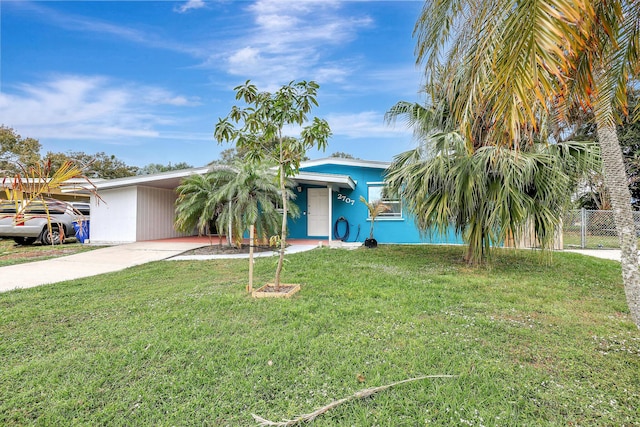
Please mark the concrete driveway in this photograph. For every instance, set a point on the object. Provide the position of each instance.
(91, 263)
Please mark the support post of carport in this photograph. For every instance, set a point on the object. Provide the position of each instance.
(330, 192)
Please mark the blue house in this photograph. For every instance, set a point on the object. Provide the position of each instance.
(328, 194)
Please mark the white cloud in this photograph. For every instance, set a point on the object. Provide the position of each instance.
(281, 40)
(88, 108)
(291, 39)
(366, 124)
(189, 5)
(84, 23)
(159, 96)
(245, 58)
(333, 73)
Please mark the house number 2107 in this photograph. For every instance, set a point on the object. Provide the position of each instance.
(346, 199)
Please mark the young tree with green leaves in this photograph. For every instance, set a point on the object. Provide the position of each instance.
(258, 130)
(241, 196)
(253, 196)
(521, 58)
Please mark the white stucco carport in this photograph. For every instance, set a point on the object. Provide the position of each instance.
(136, 208)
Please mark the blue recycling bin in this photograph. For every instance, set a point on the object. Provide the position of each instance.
(82, 230)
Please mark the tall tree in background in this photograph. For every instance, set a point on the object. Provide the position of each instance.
(152, 168)
(343, 155)
(228, 156)
(629, 135)
(15, 151)
(98, 165)
(260, 134)
(521, 57)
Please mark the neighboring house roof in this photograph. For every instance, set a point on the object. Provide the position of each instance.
(73, 187)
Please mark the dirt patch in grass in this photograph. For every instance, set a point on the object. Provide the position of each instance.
(12, 253)
(39, 254)
(227, 250)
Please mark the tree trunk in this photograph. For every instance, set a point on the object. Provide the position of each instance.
(371, 229)
(252, 241)
(283, 236)
(615, 179)
(230, 227)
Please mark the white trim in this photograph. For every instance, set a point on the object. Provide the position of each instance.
(172, 179)
(385, 215)
(346, 162)
(327, 179)
(152, 180)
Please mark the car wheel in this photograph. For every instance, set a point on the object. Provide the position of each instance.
(53, 238)
(24, 241)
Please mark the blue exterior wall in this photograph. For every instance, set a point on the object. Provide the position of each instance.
(346, 203)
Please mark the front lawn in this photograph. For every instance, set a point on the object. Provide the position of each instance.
(180, 343)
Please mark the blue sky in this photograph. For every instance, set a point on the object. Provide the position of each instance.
(147, 80)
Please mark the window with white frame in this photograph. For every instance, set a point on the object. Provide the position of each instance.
(378, 191)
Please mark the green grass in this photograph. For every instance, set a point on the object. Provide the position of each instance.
(572, 240)
(180, 343)
(11, 254)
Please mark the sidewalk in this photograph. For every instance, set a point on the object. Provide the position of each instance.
(612, 254)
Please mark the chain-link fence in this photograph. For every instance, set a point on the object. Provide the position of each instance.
(592, 229)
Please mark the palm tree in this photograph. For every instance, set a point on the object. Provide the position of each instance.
(196, 205)
(252, 193)
(524, 57)
(375, 207)
(490, 194)
(243, 196)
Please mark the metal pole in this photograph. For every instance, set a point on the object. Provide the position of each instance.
(252, 242)
(583, 228)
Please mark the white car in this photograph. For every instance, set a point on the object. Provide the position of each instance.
(32, 224)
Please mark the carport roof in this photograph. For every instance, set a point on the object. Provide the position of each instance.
(168, 180)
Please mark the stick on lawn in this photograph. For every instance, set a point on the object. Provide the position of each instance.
(359, 395)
